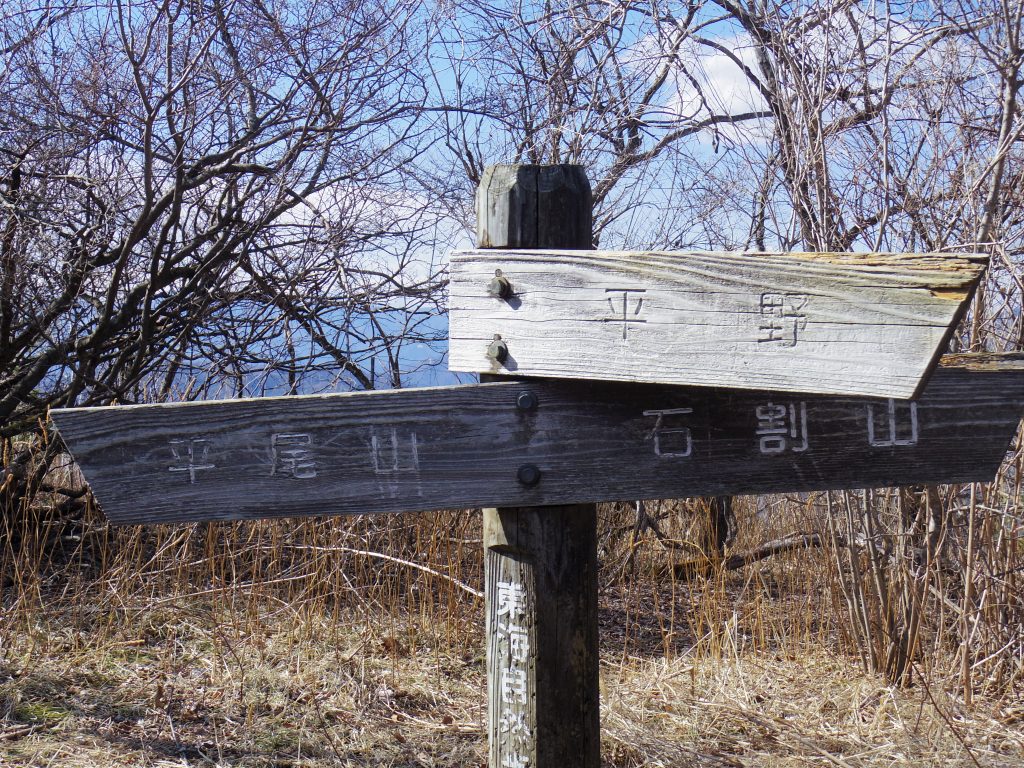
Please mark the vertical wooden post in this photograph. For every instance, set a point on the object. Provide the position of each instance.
(540, 563)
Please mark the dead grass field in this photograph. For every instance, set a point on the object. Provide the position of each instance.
(183, 685)
(273, 644)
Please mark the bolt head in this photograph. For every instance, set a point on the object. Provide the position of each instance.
(526, 401)
(499, 287)
(497, 349)
(528, 475)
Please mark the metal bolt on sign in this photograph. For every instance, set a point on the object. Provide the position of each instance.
(529, 475)
(500, 287)
(526, 401)
(497, 350)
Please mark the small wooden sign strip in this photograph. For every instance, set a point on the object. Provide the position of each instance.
(849, 324)
(533, 443)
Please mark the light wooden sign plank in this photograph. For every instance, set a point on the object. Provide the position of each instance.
(533, 443)
(849, 324)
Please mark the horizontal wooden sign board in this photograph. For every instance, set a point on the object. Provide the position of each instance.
(533, 443)
(850, 324)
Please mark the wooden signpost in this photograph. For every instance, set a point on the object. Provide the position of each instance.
(533, 443)
(860, 324)
(798, 348)
(540, 563)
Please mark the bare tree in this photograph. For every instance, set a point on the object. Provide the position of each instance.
(167, 162)
(612, 86)
(896, 130)
(234, 197)
(186, 185)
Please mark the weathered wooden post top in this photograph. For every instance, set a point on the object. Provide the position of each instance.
(653, 375)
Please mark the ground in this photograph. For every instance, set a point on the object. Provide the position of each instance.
(218, 681)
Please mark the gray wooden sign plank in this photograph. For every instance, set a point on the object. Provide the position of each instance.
(849, 324)
(533, 443)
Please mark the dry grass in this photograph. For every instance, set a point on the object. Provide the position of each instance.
(769, 710)
(202, 684)
(311, 644)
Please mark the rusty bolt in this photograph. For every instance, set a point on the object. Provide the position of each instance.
(499, 287)
(497, 349)
(528, 475)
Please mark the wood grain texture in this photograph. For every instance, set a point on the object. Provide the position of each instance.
(849, 324)
(511, 636)
(462, 446)
(534, 206)
(545, 560)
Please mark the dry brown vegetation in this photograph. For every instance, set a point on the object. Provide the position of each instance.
(311, 643)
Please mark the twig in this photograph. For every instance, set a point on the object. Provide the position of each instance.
(17, 733)
(943, 715)
(390, 558)
(774, 547)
